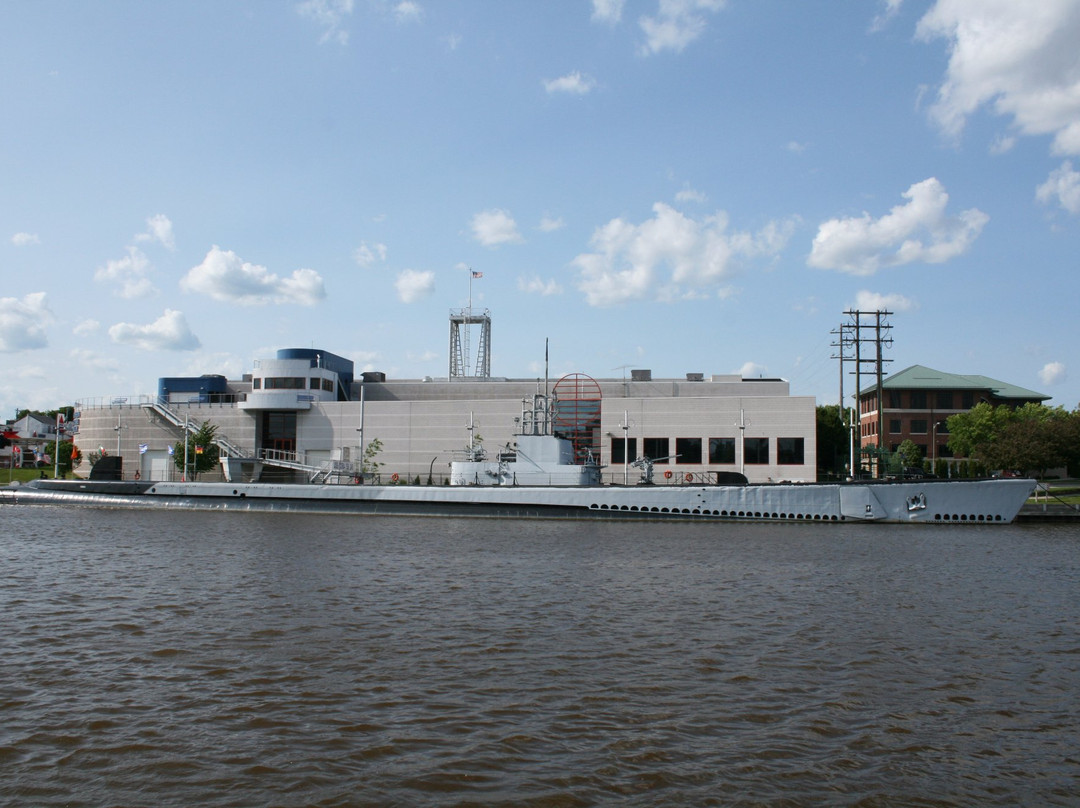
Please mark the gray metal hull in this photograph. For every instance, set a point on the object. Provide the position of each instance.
(915, 502)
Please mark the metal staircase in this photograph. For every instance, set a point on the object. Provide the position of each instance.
(226, 447)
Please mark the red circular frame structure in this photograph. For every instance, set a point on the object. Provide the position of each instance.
(577, 413)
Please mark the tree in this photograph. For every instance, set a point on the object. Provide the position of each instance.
(833, 440)
(202, 451)
(971, 431)
(369, 464)
(910, 454)
(70, 456)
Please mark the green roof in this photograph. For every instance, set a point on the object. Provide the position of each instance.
(918, 377)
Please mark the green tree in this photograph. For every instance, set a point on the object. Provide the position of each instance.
(70, 458)
(910, 454)
(833, 441)
(971, 431)
(202, 451)
(369, 464)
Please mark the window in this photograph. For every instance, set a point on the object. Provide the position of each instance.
(918, 426)
(286, 383)
(967, 400)
(944, 399)
(688, 450)
(256, 384)
(657, 449)
(894, 426)
(757, 451)
(894, 399)
(721, 450)
(619, 453)
(918, 399)
(789, 451)
(316, 384)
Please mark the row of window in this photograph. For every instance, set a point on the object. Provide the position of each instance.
(721, 451)
(291, 383)
(920, 400)
(918, 426)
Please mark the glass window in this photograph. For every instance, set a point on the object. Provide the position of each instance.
(894, 426)
(721, 450)
(757, 451)
(918, 399)
(316, 384)
(918, 426)
(657, 449)
(256, 384)
(944, 399)
(688, 450)
(328, 385)
(618, 450)
(894, 399)
(789, 451)
(967, 400)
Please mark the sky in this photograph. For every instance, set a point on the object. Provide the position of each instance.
(678, 185)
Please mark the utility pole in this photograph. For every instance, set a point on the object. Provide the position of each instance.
(871, 327)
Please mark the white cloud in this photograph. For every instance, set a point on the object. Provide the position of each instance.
(699, 255)
(494, 227)
(550, 225)
(533, 285)
(575, 83)
(691, 195)
(224, 276)
(919, 231)
(408, 11)
(25, 239)
(882, 19)
(874, 301)
(677, 23)
(87, 359)
(751, 370)
(365, 256)
(795, 147)
(1063, 184)
(169, 332)
(86, 328)
(159, 229)
(22, 322)
(1053, 373)
(413, 285)
(330, 15)
(129, 274)
(607, 11)
(1020, 59)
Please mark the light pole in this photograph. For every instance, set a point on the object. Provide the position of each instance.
(933, 446)
(118, 427)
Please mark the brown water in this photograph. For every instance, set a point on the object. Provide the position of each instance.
(241, 659)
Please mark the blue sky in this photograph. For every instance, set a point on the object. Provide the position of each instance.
(680, 185)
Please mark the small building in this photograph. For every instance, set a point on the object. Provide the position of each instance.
(917, 402)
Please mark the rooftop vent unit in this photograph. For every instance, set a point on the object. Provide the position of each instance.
(695, 377)
(641, 375)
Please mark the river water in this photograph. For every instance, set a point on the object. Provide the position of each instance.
(221, 659)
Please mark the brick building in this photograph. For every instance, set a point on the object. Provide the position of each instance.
(918, 399)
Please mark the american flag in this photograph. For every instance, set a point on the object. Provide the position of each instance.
(477, 274)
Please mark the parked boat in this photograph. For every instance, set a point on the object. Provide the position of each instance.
(539, 477)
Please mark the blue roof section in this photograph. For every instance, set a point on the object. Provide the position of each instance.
(324, 359)
(919, 377)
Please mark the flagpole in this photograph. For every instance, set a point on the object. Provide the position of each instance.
(56, 449)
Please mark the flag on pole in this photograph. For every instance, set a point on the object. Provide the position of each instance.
(477, 274)
(172, 450)
(198, 449)
(142, 448)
